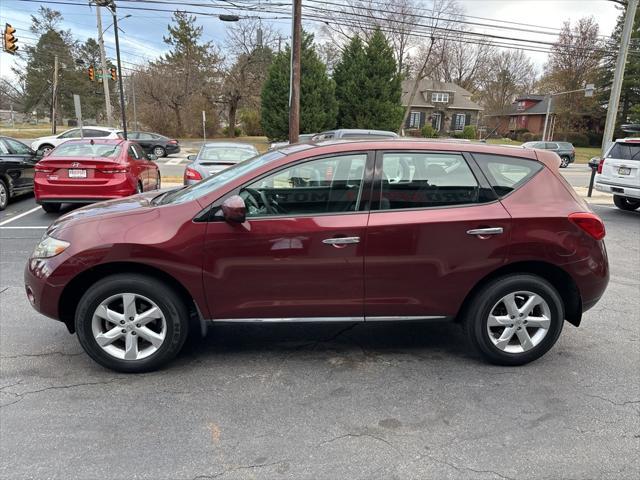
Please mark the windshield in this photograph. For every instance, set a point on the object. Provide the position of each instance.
(219, 179)
(98, 150)
(625, 151)
(225, 154)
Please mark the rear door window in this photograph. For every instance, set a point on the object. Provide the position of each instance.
(424, 180)
(506, 174)
(551, 146)
(94, 133)
(625, 151)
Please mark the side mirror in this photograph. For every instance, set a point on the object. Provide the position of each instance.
(234, 210)
(191, 158)
(152, 157)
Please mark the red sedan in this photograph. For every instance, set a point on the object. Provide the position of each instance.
(92, 170)
(491, 237)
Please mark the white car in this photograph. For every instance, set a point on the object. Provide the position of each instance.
(619, 173)
(46, 144)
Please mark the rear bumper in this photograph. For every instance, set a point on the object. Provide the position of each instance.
(617, 189)
(46, 192)
(172, 149)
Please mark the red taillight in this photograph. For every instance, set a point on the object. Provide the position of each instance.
(113, 170)
(600, 165)
(191, 174)
(43, 169)
(173, 142)
(590, 223)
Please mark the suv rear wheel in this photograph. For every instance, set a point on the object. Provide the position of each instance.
(515, 319)
(625, 203)
(131, 323)
(564, 161)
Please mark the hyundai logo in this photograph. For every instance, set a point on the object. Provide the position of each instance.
(75, 164)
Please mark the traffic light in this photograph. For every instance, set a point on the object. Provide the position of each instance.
(114, 74)
(92, 73)
(9, 40)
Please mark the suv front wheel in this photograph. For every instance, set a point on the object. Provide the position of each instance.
(515, 319)
(626, 203)
(131, 323)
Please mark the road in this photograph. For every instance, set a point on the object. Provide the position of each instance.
(323, 401)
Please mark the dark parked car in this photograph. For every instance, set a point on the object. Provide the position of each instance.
(565, 150)
(17, 162)
(488, 236)
(155, 143)
(215, 157)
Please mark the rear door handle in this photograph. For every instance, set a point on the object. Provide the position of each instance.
(486, 231)
(341, 240)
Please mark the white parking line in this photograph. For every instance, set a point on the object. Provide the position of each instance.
(174, 161)
(23, 214)
(22, 228)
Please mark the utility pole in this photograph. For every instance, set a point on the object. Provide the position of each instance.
(54, 100)
(105, 75)
(618, 76)
(546, 117)
(294, 88)
(132, 78)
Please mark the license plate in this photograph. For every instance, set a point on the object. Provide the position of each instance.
(77, 173)
(624, 171)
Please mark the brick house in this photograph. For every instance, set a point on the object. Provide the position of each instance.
(446, 106)
(527, 112)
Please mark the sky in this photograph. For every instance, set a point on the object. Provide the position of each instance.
(143, 31)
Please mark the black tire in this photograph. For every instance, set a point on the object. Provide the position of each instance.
(139, 188)
(173, 308)
(51, 207)
(477, 313)
(625, 203)
(564, 162)
(5, 196)
(159, 151)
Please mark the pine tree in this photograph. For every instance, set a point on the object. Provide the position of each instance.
(368, 86)
(349, 75)
(318, 106)
(382, 85)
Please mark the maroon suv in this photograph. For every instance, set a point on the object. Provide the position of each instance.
(393, 230)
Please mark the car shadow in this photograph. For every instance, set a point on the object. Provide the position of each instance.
(425, 339)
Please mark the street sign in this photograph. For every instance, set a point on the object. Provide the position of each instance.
(589, 89)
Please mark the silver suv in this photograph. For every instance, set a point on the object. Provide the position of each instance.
(619, 173)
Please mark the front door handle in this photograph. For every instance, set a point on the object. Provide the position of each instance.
(337, 241)
(484, 232)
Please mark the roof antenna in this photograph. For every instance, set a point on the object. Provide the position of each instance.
(92, 142)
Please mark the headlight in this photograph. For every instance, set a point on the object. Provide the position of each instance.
(49, 247)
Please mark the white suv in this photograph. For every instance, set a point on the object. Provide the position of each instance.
(46, 144)
(619, 173)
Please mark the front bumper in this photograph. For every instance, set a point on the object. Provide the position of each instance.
(43, 294)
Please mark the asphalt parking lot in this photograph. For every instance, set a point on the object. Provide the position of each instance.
(323, 401)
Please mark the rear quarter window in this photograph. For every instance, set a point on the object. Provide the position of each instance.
(506, 174)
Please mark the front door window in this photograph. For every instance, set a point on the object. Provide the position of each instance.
(326, 185)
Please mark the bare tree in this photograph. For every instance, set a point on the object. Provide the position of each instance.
(361, 17)
(574, 62)
(251, 42)
(443, 17)
(510, 73)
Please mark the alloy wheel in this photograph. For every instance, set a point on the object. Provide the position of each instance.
(518, 322)
(158, 152)
(129, 326)
(4, 196)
